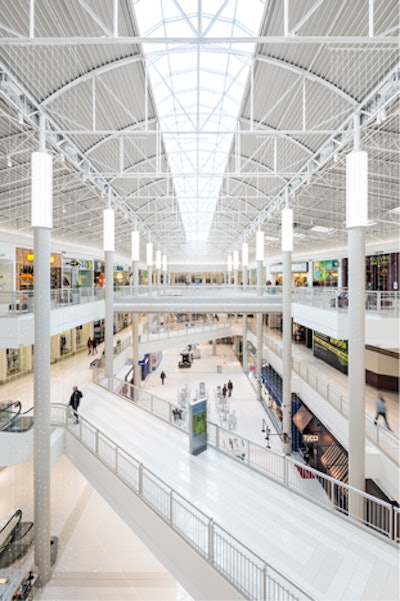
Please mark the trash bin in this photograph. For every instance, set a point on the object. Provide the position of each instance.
(219, 369)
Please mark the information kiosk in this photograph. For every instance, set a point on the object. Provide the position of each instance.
(198, 426)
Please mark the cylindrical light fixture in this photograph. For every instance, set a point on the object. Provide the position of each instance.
(357, 189)
(287, 230)
(245, 254)
(235, 259)
(229, 262)
(164, 262)
(108, 230)
(135, 246)
(259, 246)
(42, 190)
(158, 259)
(149, 254)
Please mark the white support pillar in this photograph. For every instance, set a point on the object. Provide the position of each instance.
(229, 269)
(135, 256)
(287, 247)
(42, 223)
(356, 221)
(108, 245)
(235, 267)
(149, 261)
(259, 318)
(245, 265)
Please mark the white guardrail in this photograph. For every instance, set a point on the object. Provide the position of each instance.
(251, 575)
(378, 517)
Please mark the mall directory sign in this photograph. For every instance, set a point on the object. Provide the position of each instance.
(198, 426)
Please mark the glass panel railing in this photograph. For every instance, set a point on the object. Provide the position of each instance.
(13, 304)
(382, 302)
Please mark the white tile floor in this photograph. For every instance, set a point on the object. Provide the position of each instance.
(109, 562)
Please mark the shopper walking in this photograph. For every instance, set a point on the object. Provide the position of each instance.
(230, 388)
(381, 410)
(94, 346)
(163, 376)
(224, 391)
(89, 345)
(74, 402)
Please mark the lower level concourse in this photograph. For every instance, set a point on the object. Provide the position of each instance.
(99, 557)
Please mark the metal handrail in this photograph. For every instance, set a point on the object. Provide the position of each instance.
(378, 517)
(250, 574)
(19, 302)
(387, 441)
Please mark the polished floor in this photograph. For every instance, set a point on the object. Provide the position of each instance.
(100, 558)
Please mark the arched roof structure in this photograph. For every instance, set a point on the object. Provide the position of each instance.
(199, 121)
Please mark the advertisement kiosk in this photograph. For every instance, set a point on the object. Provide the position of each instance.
(198, 426)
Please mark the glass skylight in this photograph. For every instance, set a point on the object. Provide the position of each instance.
(198, 89)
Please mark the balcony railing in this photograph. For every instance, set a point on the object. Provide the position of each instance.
(251, 575)
(387, 441)
(16, 303)
(377, 516)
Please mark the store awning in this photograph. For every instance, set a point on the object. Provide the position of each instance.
(336, 463)
(302, 418)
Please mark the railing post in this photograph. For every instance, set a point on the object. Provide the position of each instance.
(171, 507)
(140, 483)
(263, 595)
(217, 438)
(211, 541)
(285, 470)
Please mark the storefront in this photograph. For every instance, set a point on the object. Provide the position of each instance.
(15, 362)
(25, 269)
(7, 260)
(326, 273)
(121, 276)
(99, 273)
(382, 272)
(299, 274)
(77, 273)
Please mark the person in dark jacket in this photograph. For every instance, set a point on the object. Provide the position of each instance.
(230, 388)
(163, 376)
(74, 402)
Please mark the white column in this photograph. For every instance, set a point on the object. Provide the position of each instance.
(259, 318)
(235, 267)
(164, 269)
(356, 221)
(287, 247)
(229, 269)
(108, 246)
(149, 261)
(135, 256)
(42, 223)
(245, 265)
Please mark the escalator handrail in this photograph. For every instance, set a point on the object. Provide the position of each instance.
(14, 414)
(6, 531)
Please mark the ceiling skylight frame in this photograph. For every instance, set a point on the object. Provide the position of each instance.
(193, 107)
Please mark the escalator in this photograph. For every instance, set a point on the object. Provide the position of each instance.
(128, 389)
(12, 419)
(16, 537)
